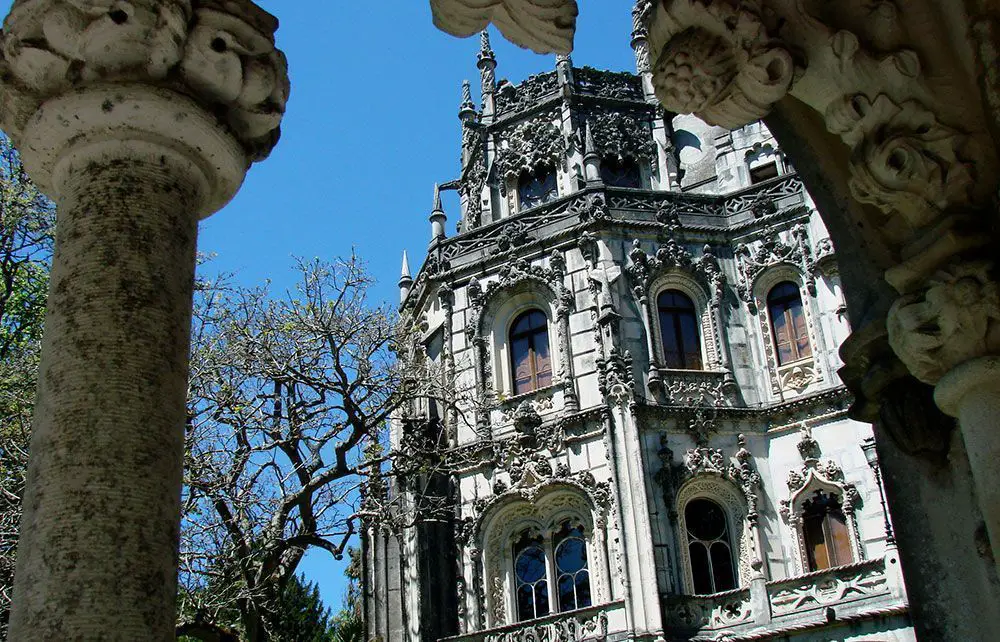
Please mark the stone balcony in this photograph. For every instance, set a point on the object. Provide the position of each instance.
(865, 590)
(601, 622)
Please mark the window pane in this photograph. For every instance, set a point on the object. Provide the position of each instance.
(722, 567)
(541, 599)
(583, 598)
(620, 174)
(679, 330)
(525, 603)
(567, 593)
(689, 336)
(801, 333)
(530, 565)
(537, 189)
(522, 364)
(700, 568)
(816, 546)
(840, 539)
(571, 556)
(705, 520)
(543, 363)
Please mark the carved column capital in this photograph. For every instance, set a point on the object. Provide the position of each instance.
(199, 77)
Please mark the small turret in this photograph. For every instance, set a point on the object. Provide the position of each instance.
(640, 44)
(591, 159)
(564, 73)
(467, 110)
(405, 280)
(487, 63)
(438, 217)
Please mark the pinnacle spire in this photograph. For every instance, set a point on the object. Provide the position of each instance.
(467, 110)
(405, 272)
(588, 140)
(485, 50)
(437, 198)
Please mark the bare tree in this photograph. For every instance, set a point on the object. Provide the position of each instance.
(286, 392)
(27, 221)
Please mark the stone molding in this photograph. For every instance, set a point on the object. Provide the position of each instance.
(544, 26)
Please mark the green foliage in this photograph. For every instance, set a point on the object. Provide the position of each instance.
(27, 220)
(301, 615)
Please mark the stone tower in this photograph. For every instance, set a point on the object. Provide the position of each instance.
(636, 430)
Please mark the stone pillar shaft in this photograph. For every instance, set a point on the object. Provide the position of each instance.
(102, 506)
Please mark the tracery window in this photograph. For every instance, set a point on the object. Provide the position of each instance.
(709, 547)
(531, 362)
(679, 331)
(764, 172)
(536, 188)
(825, 530)
(620, 173)
(530, 578)
(562, 557)
(788, 323)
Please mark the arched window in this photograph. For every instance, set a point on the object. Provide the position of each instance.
(623, 173)
(572, 574)
(679, 331)
(709, 547)
(531, 364)
(788, 323)
(536, 188)
(824, 528)
(530, 578)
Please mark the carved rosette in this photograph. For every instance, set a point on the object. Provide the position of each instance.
(718, 61)
(619, 135)
(164, 72)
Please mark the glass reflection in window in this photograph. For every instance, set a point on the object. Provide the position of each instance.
(679, 331)
(824, 528)
(788, 323)
(708, 544)
(572, 574)
(531, 585)
(529, 352)
(536, 188)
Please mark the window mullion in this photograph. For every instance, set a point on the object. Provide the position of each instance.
(552, 575)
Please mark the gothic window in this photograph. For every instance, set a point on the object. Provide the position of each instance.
(572, 573)
(762, 173)
(788, 323)
(562, 557)
(536, 188)
(530, 577)
(621, 173)
(679, 331)
(531, 363)
(825, 530)
(709, 547)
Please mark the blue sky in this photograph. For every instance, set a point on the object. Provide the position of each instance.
(371, 126)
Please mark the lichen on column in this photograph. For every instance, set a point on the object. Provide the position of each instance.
(138, 119)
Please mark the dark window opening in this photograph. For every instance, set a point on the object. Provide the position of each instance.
(824, 528)
(788, 323)
(536, 188)
(621, 173)
(572, 573)
(709, 546)
(531, 363)
(762, 173)
(531, 584)
(679, 331)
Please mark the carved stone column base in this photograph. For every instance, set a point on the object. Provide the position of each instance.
(971, 393)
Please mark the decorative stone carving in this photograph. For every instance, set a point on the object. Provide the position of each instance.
(526, 94)
(769, 250)
(614, 377)
(544, 26)
(592, 207)
(671, 255)
(607, 84)
(221, 56)
(719, 63)
(531, 145)
(955, 319)
(621, 135)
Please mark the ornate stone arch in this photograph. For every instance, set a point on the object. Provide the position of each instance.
(675, 279)
(542, 508)
(816, 475)
(521, 286)
(797, 376)
(713, 486)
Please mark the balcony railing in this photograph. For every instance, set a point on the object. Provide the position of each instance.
(851, 590)
(591, 623)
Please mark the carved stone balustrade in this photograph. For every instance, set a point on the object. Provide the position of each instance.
(699, 388)
(865, 590)
(138, 119)
(591, 623)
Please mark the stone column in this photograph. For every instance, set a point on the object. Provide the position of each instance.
(137, 119)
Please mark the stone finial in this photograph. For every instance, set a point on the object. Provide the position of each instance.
(140, 70)
(437, 217)
(467, 110)
(405, 280)
(486, 55)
